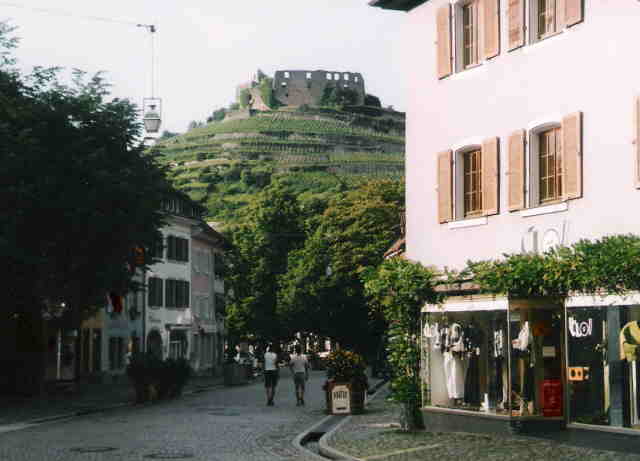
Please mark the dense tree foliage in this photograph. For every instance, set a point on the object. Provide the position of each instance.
(399, 288)
(271, 229)
(322, 291)
(78, 192)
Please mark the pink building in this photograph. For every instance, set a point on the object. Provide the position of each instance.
(522, 134)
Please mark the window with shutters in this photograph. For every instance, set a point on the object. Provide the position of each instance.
(469, 16)
(177, 294)
(157, 249)
(472, 183)
(545, 15)
(177, 249)
(550, 17)
(549, 166)
(155, 291)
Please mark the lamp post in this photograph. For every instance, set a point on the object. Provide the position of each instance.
(152, 107)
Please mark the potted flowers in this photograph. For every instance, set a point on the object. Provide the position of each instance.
(347, 383)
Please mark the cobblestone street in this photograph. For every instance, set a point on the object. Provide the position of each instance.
(217, 425)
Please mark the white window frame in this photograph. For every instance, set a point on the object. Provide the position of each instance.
(458, 180)
(532, 16)
(532, 182)
(458, 42)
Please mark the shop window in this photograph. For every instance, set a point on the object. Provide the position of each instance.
(536, 331)
(465, 360)
(603, 373)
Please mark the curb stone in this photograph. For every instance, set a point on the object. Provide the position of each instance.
(332, 453)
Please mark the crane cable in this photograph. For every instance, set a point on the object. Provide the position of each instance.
(55, 12)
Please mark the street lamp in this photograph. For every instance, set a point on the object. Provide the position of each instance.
(152, 107)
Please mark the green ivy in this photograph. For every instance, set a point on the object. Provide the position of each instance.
(399, 289)
(610, 264)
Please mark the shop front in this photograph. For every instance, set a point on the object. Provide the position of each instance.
(534, 366)
(498, 359)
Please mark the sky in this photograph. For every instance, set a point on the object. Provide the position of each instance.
(205, 48)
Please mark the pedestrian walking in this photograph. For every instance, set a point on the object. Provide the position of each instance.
(270, 373)
(299, 366)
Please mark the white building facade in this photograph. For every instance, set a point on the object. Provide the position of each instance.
(523, 134)
(169, 316)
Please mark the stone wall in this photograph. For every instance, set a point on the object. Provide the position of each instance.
(298, 87)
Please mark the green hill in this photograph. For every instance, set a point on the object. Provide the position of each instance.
(223, 164)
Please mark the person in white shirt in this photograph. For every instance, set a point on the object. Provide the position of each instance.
(299, 366)
(270, 373)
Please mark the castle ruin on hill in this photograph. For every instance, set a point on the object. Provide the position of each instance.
(304, 87)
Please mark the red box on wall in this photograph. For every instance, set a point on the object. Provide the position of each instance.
(551, 397)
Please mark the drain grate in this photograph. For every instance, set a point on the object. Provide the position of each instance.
(93, 449)
(171, 455)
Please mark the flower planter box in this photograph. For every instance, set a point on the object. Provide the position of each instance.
(345, 398)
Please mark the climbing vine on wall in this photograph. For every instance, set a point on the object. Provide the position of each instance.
(610, 265)
(399, 289)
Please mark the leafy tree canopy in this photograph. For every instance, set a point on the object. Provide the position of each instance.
(271, 228)
(322, 291)
(78, 191)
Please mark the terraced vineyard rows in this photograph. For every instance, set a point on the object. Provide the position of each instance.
(225, 163)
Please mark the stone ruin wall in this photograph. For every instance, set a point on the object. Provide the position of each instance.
(298, 87)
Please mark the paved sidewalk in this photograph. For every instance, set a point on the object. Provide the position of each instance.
(86, 398)
(375, 436)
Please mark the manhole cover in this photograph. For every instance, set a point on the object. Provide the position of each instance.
(171, 455)
(93, 449)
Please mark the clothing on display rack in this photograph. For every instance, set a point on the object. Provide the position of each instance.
(473, 343)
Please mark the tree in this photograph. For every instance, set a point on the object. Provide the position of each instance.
(194, 124)
(399, 288)
(322, 291)
(371, 100)
(80, 195)
(217, 115)
(245, 98)
(166, 134)
(271, 229)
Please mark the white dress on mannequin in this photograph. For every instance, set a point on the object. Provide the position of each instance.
(454, 368)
